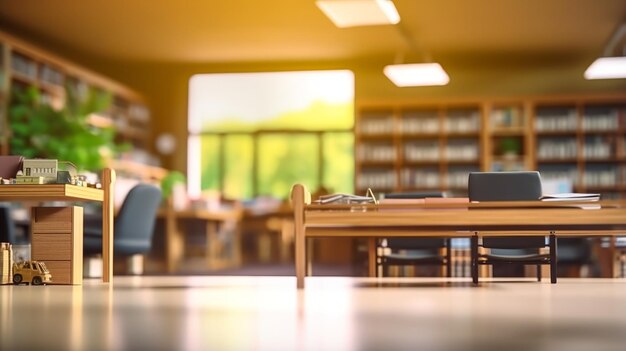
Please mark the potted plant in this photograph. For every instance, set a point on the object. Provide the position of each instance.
(173, 190)
(510, 147)
(41, 131)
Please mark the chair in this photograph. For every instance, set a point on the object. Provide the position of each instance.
(133, 227)
(7, 227)
(524, 250)
(413, 251)
(575, 253)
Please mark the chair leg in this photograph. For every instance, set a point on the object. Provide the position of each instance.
(448, 258)
(538, 272)
(552, 258)
(135, 264)
(474, 258)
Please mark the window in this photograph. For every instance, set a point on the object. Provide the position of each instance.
(256, 134)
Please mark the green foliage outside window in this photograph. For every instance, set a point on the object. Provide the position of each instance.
(285, 160)
(338, 161)
(238, 154)
(210, 162)
(282, 160)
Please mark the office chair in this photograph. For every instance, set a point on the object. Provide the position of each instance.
(133, 227)
(521, 250)
(413, 251)
(576, 253)
(7, 227)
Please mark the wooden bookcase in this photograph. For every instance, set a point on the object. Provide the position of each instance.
(413, 147)
(433, 146)
(583, 140)
(22, 65)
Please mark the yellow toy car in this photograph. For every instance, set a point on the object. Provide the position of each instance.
(34, 272)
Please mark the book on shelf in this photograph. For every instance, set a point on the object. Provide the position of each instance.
(570, 197)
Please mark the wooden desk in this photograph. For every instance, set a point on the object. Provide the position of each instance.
(448, 220)
(67, 192)
(271, 226)
(175, 237)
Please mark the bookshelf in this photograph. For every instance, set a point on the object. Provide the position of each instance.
(583, 141)
(417, 148)
(24, 65)
(434, 146)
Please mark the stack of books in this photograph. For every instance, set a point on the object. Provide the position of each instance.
(6, 264)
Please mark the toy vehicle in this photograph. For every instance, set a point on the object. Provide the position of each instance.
(34, 272)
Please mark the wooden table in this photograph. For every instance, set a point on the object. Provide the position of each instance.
(68, 192)
(448, 220)
(274, 225)
(175, 237)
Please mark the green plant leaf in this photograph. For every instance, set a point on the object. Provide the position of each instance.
(41, 131)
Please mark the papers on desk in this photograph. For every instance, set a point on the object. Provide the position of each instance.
(344, 199)
(570, 197)
(565, 197)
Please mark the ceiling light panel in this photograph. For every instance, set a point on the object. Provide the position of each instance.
(417, 74)
(353, 13)
(607, 68)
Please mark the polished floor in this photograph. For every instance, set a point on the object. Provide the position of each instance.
(269, 313)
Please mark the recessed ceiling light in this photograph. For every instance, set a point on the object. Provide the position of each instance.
(417, 74)
(607, 68)
(352, 13)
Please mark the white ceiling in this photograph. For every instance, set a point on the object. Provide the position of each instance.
(283, 30)
(488, 47)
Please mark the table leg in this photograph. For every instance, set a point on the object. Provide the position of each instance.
(371, 255)
(300, 257)
(297, 197)
(174, 239)
(213, 249)
(309, 256)
(108, 183)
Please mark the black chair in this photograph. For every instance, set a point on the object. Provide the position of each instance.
(133, 227)
(7, 226)
(520, 250)
(575, 253)
(413, 251)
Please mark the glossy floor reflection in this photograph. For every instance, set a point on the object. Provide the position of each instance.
(268, 313)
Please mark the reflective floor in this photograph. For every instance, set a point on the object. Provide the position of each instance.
(269, 313)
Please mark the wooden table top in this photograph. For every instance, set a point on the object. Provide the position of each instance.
(49, 192)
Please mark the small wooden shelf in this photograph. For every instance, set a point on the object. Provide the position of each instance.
(551, 133)
(603, 160)
(381, 136)
(511, 131)
(460, 135)
(377, 163)
(557, 160)
(428, 162)
(421, 135)
(461, 161)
